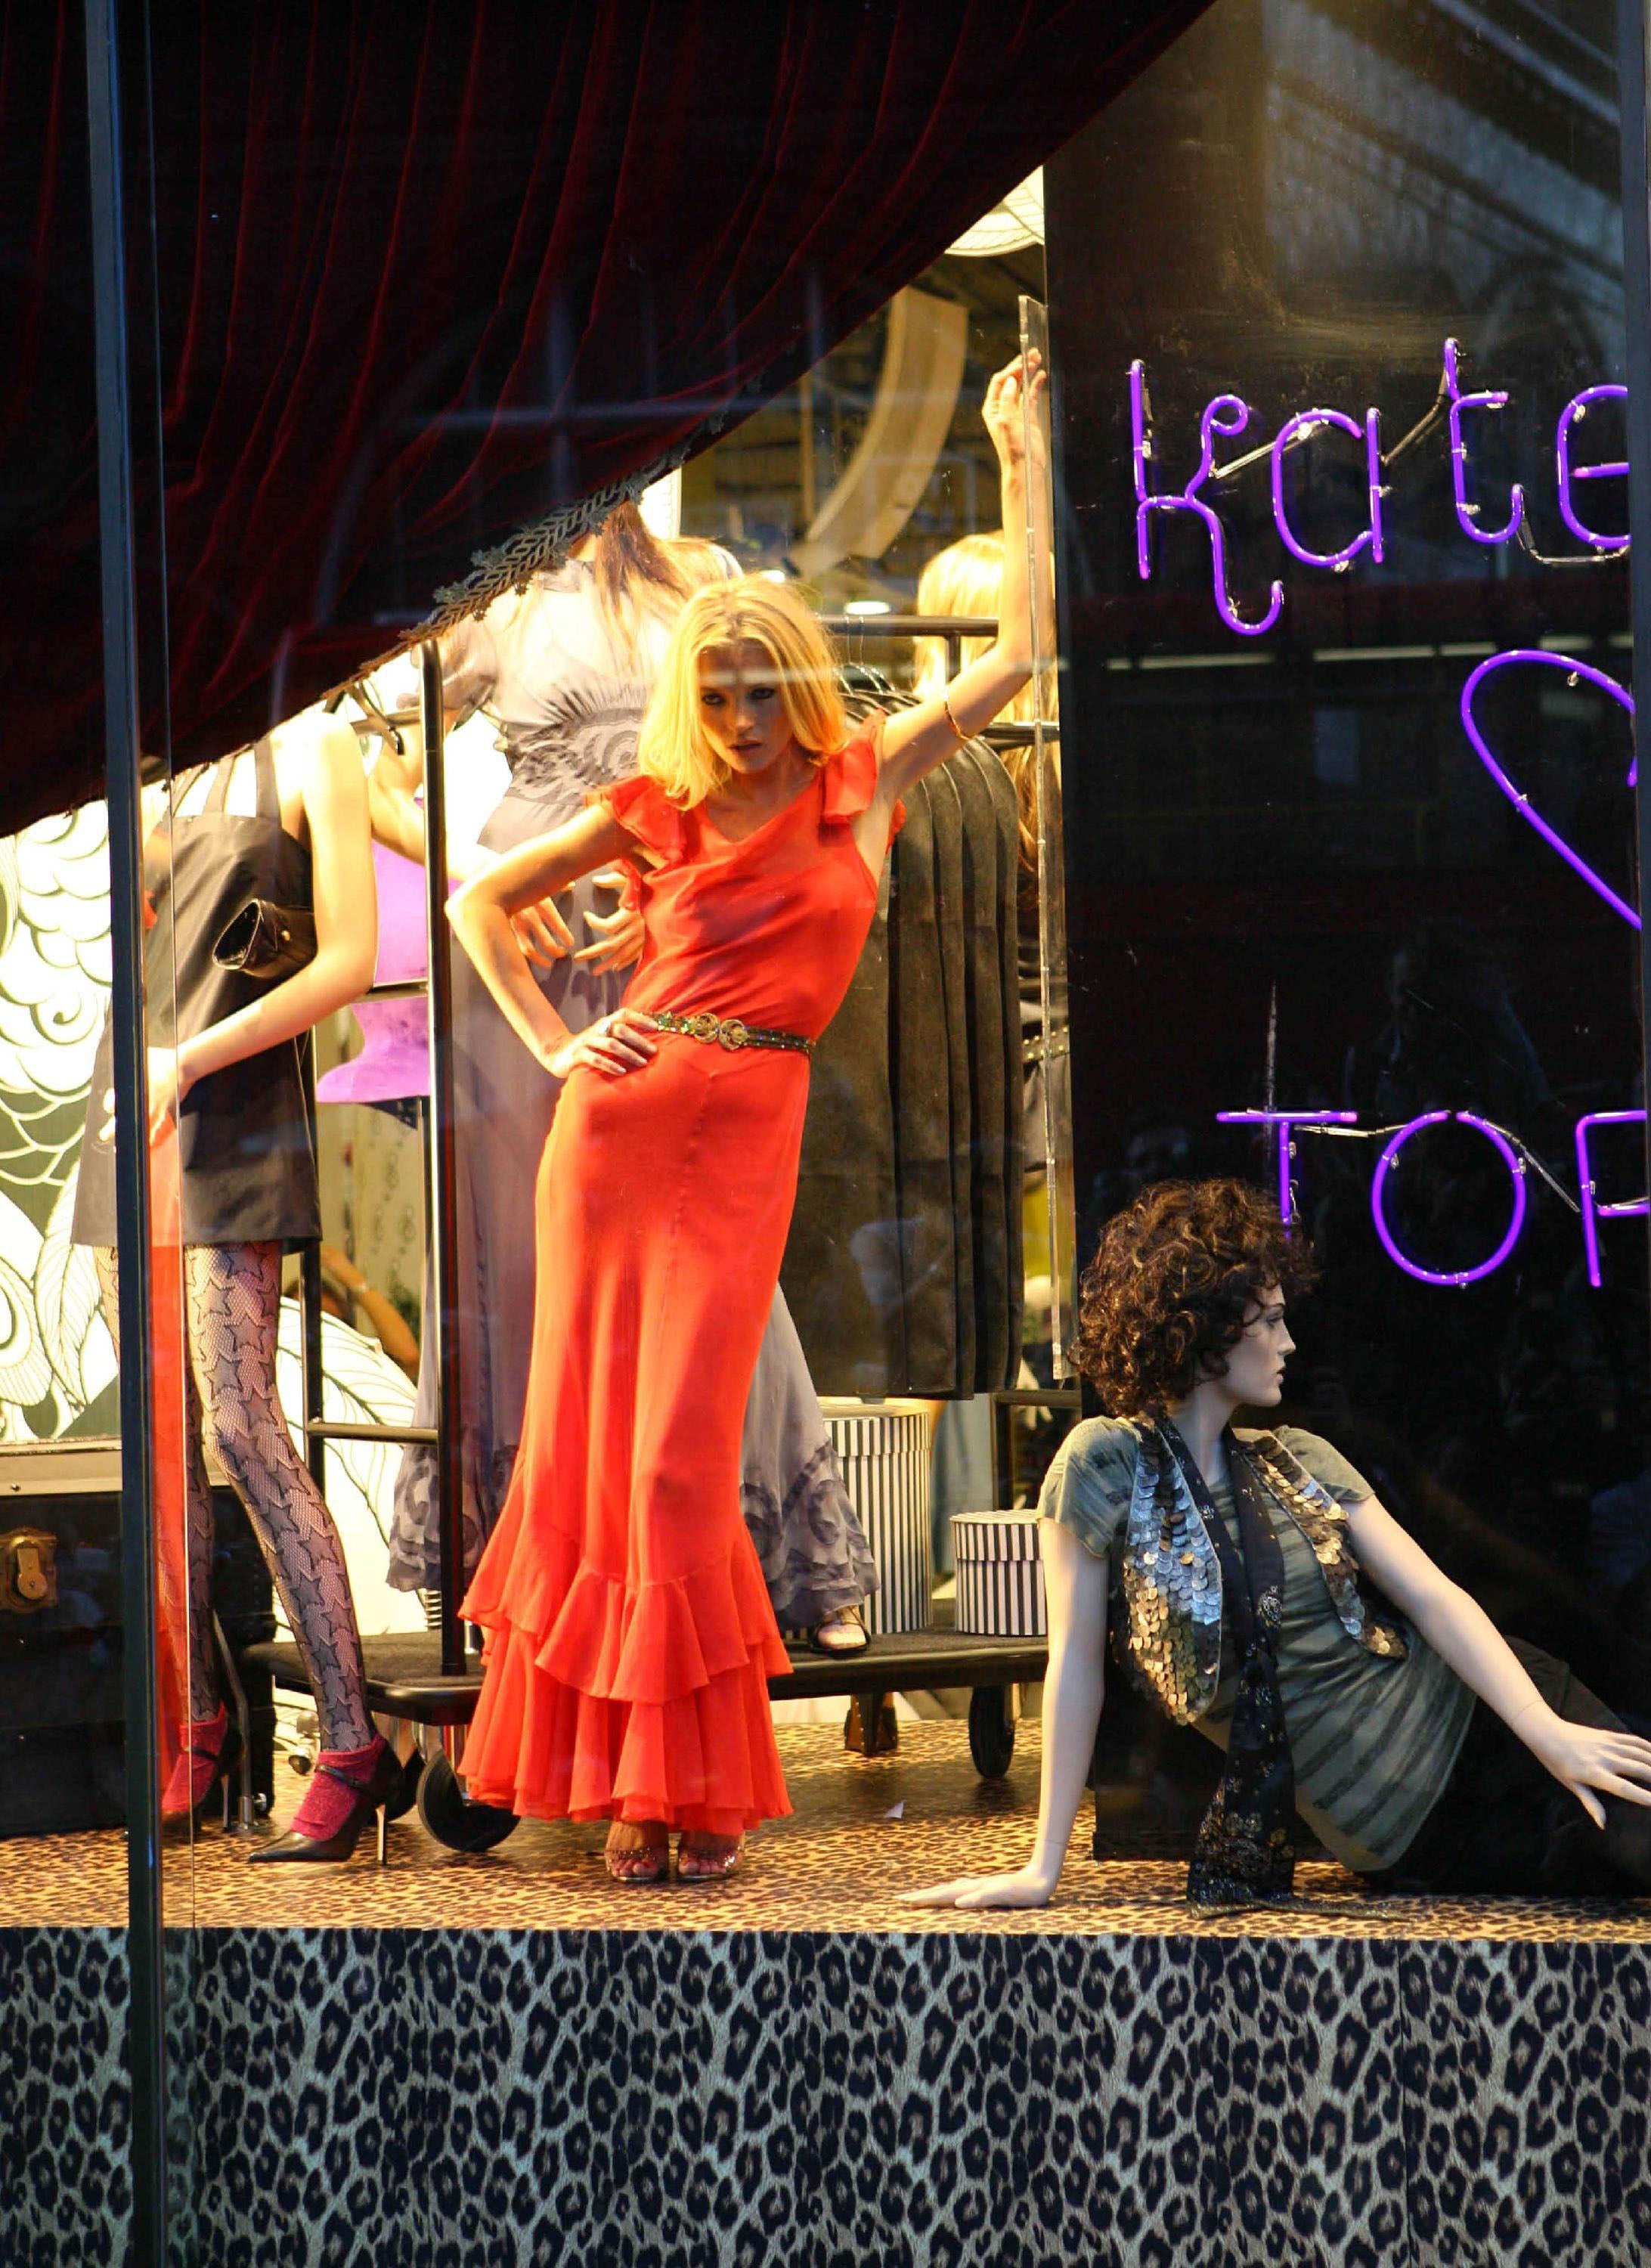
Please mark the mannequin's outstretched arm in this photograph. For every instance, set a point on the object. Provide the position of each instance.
(1075, 1584)
(1586, 1760)
(346, 921)
(482, 914)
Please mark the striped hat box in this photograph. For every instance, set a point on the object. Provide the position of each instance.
(883, 1448)
(1000, 1574)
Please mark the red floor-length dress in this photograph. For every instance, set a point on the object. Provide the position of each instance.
(628, 1634)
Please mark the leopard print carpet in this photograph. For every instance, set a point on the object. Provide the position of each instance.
(863, 1830)
(509, 2060)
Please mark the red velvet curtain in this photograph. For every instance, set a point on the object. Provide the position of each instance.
(423, 274)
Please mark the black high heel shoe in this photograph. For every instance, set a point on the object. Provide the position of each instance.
(367, 1796)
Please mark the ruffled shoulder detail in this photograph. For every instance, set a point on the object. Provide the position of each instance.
(643, 809)
(851, 774)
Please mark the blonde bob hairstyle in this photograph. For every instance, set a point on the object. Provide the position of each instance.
(674, 747)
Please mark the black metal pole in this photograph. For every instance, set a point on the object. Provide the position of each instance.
(1632, 33)
(444, 1215)
(117, 541)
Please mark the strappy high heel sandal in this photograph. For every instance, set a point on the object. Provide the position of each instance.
(638, 1864)
(841, 1631)
(208, 1750)
(349, 1786)
(708, 1865)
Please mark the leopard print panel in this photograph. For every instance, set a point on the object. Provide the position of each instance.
(975, 2099)
(64, 2105)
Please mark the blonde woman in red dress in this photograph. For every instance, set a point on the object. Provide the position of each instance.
(630, 1639)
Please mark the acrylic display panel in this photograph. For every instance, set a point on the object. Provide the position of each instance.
(1051, 1048)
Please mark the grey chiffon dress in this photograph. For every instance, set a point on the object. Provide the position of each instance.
(567, 698)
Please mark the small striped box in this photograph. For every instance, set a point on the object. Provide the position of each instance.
(1000, 1574)
(883, 1448)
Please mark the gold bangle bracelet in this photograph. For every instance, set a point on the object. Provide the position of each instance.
(958, 733)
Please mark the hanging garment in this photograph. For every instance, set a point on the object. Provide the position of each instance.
(914, 1152)
(843, 1279)
(245, 1149)
(628, 1634)
(952, 924)
(919, 1042)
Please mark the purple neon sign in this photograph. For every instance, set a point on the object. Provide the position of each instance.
(1574, 410)
(1388, 1161)
(1284, 1120)
(1593, 1211)
(1468, 511)
(1521, 803)
(1303, 427)
(1226, 416)
(1591, 1208)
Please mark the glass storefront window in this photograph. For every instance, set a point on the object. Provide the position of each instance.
(838, 1034)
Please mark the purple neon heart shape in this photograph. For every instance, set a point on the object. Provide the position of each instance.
(1521, 802)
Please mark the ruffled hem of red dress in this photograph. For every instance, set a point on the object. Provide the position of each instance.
(704, 1761)
(608, 1699)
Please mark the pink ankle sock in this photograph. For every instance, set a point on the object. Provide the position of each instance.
(328, 1804)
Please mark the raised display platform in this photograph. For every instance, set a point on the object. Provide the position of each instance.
(511, 2058)
(404, 1675)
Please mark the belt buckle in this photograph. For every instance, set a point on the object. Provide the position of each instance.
(700, 1028)
(731, 1032)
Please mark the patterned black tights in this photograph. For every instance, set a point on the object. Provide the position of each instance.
(232, 1298)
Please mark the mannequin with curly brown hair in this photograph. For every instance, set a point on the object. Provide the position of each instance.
(1426, 1751)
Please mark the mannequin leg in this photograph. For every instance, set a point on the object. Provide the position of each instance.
(232, 1294)
(198, 1523)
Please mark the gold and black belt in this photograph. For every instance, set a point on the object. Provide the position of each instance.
(729, 1032)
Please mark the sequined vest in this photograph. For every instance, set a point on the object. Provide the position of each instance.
(1171, 1574)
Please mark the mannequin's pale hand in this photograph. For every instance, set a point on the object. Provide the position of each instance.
(168, 1083)
(612, 1045)
(542, 934)
(974, 1891)
(619, 935)
(1590, 1762)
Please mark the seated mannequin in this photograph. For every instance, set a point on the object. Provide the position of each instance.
(1268, 1598)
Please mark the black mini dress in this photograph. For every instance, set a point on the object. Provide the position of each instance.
(246, 1142)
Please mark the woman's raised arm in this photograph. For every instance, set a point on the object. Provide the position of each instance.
(916, 740)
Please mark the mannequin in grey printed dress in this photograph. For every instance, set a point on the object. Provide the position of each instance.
(566, 687)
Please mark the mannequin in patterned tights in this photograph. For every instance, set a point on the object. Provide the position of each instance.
(287, 822)
(233, 1297)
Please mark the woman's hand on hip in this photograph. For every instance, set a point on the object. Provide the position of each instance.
(612, 1045)
(971, 1891)
(1590, 1762)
